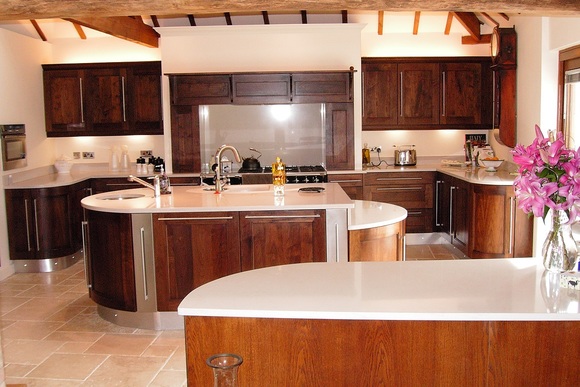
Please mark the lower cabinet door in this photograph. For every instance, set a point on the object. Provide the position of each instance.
(192, 249)
(110, 264)
(270, 238)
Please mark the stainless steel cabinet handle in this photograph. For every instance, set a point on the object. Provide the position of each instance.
(199, 218)
(123, 98)
(27, 224)
(398, 178)
(81, 101)
(414, 212)
(145, 285)
(451, 211)
(401, 95)
(362, 82)
(280, 216)
(512, 221)
(337, 236)
(401, 189)
(444, 108)
(86, 252)
(437, 183)
(346, 181)
(36, 225)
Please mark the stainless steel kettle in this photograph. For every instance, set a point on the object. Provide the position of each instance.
(405, 155)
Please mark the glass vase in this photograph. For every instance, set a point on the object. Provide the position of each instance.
(559, 251)
(225, 369)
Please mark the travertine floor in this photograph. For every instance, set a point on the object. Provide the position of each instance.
(53, 336)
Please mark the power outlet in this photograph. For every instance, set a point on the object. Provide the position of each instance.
(88, 155)
(146, 153)
(76, 155)
(377, 149)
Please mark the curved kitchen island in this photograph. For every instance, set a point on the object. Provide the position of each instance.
(145, 254)
(497, 322)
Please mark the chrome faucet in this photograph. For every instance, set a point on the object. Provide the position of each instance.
(156, 187)
(219, 186)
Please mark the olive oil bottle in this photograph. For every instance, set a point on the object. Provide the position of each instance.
(278, 177)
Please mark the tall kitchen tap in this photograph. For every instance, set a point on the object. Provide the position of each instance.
(218, 158)
(156, 187)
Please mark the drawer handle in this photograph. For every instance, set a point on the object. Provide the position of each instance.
(280, 216)
(346, 181)
(199, 218)
(414, 212)
(398, 178)
(144, 262)
(401, 189)
(87, 252)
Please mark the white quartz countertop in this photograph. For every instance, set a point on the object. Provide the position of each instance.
(369, 214)
(461, 290)
(255, 197)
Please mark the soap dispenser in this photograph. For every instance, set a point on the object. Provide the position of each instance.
(278, 177)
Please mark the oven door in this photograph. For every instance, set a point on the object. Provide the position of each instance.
(13, 151)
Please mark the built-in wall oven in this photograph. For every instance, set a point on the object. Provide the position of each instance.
(13, 146)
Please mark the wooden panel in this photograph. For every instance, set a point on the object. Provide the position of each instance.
(192, 249)
(20, 221)
(111, 265)
(185, 140)
(321, 87)
(384, 243)
(270, 238)
(53, 218)
(200, 89)
(488, 217)
(260, 88)
(339, 128)
(505, 105)
(292, 352)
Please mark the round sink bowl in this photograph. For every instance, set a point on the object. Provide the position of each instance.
(121, 196)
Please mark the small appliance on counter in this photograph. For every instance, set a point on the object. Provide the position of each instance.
(405, 155)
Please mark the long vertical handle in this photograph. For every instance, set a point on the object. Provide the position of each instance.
(86, 252)
(401, 94)
(362, 76)
(123, 96)
(27, 224)
(437, 223)
(512, 221)
(82, 102)
(444, 106)
(36, 225)
(145, 285)
(451, 211)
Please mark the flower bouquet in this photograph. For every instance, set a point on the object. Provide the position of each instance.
(549, 181)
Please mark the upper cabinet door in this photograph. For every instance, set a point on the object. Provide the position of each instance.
(380, 95)
(462, 97)
(200, 89)
(143, 91)
(321, 87)
(107, 105)
(63, 101)
(418, 93)
(249, 89)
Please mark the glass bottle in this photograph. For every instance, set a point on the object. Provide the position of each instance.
(366, 155)
(225, 369)
(164, 185)
(278, 177)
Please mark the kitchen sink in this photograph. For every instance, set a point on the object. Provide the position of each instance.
(122, 196)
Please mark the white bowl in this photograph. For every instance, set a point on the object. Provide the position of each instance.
(62, 166)
(491, 165)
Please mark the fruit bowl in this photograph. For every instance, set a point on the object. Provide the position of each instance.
(490, 165)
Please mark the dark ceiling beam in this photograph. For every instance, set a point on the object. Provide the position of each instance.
(155, 21)
(191, 19)
(304, 17)
(470, 22)
(506, 17)
(265, 17)
(124, 27)
(38, 30)
(228, 17)
(344, 14)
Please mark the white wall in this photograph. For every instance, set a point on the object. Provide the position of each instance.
(22, 102)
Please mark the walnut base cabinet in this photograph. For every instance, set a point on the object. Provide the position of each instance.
(384, 243)
(351, 183)
(192, 249)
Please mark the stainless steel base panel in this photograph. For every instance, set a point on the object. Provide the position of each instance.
(46, 265)
(144, 320)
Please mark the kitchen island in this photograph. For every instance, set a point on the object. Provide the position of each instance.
(468, 322)
(144, 254)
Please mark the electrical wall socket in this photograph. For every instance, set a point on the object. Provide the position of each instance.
(88, 155)
(76, 155)
(146, 153)
(377, 149)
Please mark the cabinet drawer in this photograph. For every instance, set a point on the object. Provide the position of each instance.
(407, 196)
(347, 180)
(321, 87)
(399, 178)
(419, 220)
(200, 89)
(261, 88)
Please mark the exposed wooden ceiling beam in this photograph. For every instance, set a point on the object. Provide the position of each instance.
(448, 24)
(304, 16)
(228, 17)
(484, 39)
(38, 30)
(344, 13)
(80, 31)
(155, 21)
(506, 17)
(265, 17)
(470, 22)
(127, 28)
(490, 19)
(381, 18)
(191, 19)
(416, 23)
(49, 9)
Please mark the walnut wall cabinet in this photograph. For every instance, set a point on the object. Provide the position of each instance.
(332, 88)
(103, 99)
(426, 93)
